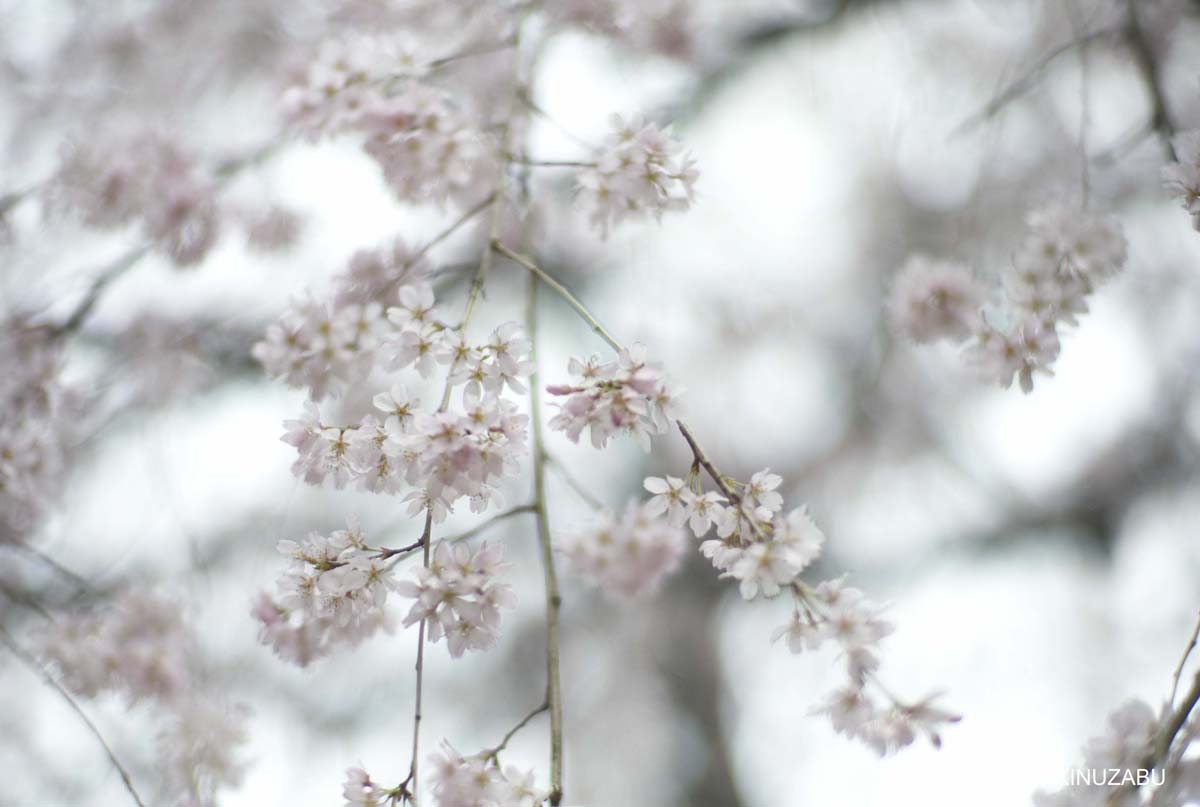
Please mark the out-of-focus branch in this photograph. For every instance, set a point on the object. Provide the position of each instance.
(1028, 80)
(1147, 59)
(102, 281)
(574, 484)
(29, 661)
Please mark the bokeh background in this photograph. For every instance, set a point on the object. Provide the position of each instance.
(1039, 552)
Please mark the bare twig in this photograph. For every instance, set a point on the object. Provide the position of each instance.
(573, 483)
(391, 552)
(53, 565)
(494, 753)
(1187, 651)
(449, 231)
(1027, 81)
(1160, 116)
(29, 661)
(107, 275)
(1084, 99)
(480, 50)
(562, 291)
(553, 598)
(224, 172)
(420, 669)
(698, 453)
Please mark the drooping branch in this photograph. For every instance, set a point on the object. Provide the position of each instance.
(1147, 59)
(494, 753)
(1029, 79)
(413, 773)
(700, 457)
(553, 598)
(29, 661)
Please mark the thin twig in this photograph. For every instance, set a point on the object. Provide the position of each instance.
(399, 553)
(493, 753)
(1187, 651)
(550, 163)
(29, 661)
(481, 50)
(701, 458)
(420, 669)
(224, 172)
(1178, 718)
(78, 580)
(562, 291)
(1084, 100)
(553, 598)
(1026, 82)
(524, 97)
(483, 525)
(449, 231)
(390, 552)
(573, 483)
(1171, 722)
(84, 308)
(1160, 116)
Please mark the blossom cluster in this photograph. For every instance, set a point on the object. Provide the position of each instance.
(1182, 177)
(756, 544)
(139, 646)
(766, 551)
(479, 781)
(426, 144)
(641, 169)
(629, 395)
(145, 177)
(36, 410)
(444, 455)
(331, 593)
(459, 596)
(626, 556)
(1066, 254)
(836, 613)
(667, 27)
(323, 346)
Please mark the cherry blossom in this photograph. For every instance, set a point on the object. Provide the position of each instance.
(641, 169)
(629, 395)
(147, 176)
(1182, 177)
(626, 556)
(332, 592)
(459, 596)
(479, 781)
(933, 299)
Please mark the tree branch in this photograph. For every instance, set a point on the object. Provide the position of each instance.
(29, 661)
(1027, 81)
(553, 598)
(1160, 117)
